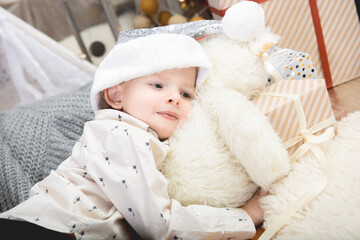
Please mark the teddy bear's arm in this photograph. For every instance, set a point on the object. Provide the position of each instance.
(249, 136)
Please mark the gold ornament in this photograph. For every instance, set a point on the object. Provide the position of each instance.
(164, 17)
(149, 7)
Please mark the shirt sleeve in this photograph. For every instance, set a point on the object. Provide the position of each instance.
(122, 164)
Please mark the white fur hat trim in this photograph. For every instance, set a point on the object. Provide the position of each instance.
(243, 21)
(147, 55)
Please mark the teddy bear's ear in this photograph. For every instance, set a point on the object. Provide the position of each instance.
(265, 47)
(263, 42)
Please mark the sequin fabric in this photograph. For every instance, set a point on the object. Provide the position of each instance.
(197, 30)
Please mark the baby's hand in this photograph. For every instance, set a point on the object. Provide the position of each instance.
(253, 208)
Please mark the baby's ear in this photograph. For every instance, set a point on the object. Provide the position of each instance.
(112, 96)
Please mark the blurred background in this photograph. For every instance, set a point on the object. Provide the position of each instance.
(89, 27)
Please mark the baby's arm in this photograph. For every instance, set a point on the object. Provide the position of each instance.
(139, 191)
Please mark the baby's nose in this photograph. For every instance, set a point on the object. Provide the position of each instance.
(174, 98)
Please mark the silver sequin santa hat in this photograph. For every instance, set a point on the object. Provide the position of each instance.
(145, 55)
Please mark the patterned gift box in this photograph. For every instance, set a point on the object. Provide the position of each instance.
(300, 112)
(219, 7)
(287, 64)
(329, 30)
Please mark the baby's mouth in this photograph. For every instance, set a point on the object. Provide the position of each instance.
(168, 115)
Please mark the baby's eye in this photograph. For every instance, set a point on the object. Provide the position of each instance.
(157, 85)
(186, 95)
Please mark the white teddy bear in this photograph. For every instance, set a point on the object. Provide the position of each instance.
(228, 148)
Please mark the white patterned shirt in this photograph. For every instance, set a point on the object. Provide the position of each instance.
(111, 182)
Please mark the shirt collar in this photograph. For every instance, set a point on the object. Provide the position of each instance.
(106, 114)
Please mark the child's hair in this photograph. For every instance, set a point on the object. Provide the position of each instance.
(145, 56)
(102, 102)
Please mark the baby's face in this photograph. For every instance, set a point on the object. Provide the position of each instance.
(162, 100)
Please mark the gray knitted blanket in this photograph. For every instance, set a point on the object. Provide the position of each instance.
(35, 139)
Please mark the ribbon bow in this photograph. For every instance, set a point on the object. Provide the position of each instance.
(311, 142)
(306, 134)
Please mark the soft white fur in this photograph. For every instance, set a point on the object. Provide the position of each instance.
(227, 148)
(334, 213)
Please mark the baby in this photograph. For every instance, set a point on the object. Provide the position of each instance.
(110, 187)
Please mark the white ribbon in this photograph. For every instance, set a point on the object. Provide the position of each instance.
(308, 135)
(274, 73)
(311, 142)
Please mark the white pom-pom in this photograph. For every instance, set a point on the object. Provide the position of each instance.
(243, 21)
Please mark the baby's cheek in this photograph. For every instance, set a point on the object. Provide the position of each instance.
(185, 113)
